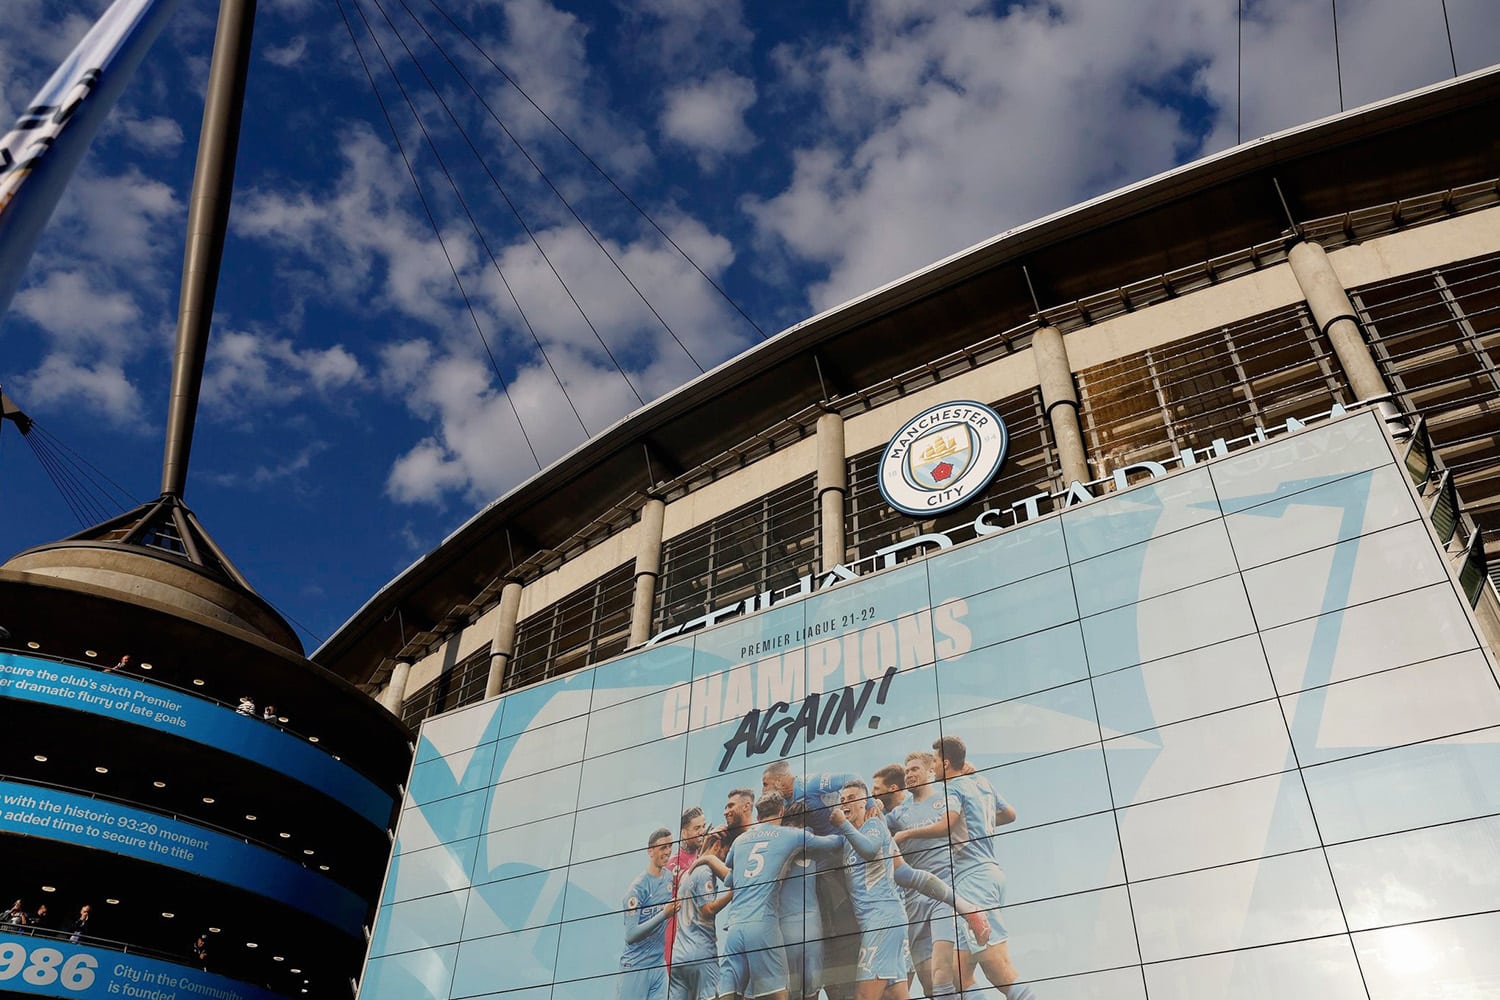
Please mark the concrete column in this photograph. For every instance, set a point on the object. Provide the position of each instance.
(503, 643)
(833, 485)
(394, 695)
(1060, 398)
(647, 569)
(1335, 316)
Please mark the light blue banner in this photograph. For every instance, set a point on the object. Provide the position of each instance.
(142, 703)
(46, 967)
(106, 826)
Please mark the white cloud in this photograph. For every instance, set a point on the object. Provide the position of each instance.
(288, 55)
(247, 370)
(154, 135)
(77, 313)
(377, 256)
(264, 476)
(100, 388)
(937, 126)
(708, 117)
(691, 35)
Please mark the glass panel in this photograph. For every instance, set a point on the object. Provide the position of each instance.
(642, 673)
(1413, 704)
(459, 731)
(419, 923)
(1021, 666)
(1317, 517)
(563, 698)
(464, 771)
(632, 772)
(1239, 822)
(1449, 779)
(1442, 871)
(441, 822)
(1059, 786)
(1021, 608)
(429, 872)
(1238, 906)
(526, 800)
(1189, 619)
(515, 904)
(540, 749)
(1244, 743)
(510, 961)
(1353, 572)
(1013, 556)
(1356, 444)
(1041, 723)
(1159, 566)
(746, 638)
(412, 975)
(601, 833)
(1071, 934)
(1324, 969)
(523, 850)
(1199, 682)
(1150, 510)
(1368, 638)
(632, 723)
(1060, 858)
(1445, 958)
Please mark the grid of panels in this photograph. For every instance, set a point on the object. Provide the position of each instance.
(768, 542)
(590, 624)
(461, 684)
(1436, 337)
(1218, 384)
(1030, 467)
(1250, 740)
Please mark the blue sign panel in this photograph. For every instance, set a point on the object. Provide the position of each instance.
(141, 703)
(136, 833)
(44, 967)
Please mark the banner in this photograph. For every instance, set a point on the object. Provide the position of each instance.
(48, 967)
(1225, 732)
(39, 154)
(35, 811)
(129, 699)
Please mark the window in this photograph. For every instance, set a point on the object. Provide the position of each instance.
(459, 684)
(1218, 384)
(765, 544)
(1436, 337)
(590, 624)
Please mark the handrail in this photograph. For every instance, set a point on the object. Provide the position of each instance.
(195, 821)
(124, 947)
(93, 665)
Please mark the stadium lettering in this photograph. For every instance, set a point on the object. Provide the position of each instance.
(992, 520)
(818, 715)
(819, 668)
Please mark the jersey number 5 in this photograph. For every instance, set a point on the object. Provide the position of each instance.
(757, 859)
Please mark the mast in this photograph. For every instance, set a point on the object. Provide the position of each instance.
(208, 220)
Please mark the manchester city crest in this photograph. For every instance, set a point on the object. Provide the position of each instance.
(942, 458)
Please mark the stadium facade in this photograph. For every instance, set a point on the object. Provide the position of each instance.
(1217, 637)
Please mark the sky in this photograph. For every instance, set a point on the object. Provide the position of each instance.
(360, 403)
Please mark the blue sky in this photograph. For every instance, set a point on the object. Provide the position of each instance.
(801, 153)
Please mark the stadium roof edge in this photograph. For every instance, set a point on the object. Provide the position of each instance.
(1013, 246)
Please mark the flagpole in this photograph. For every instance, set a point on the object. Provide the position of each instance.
(208, 220)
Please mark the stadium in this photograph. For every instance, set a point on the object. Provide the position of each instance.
(1175, 508)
